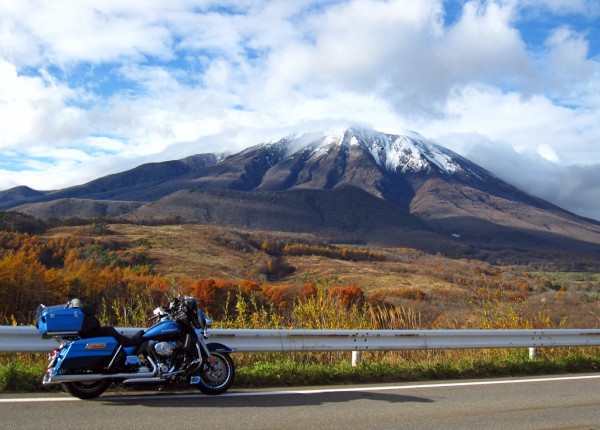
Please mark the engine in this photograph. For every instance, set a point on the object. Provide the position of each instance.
(165, 349)
(168, 356)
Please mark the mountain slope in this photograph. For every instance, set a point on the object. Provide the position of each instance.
(344, 214)
(359, 184)
(143, 183)
(18, 194)
(81, 208)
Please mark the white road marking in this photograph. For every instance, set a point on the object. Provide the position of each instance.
(38, 399)
(309, 391)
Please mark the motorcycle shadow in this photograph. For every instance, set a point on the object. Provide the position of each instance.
(258, 399)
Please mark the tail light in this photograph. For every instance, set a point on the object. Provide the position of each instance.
(52, 358)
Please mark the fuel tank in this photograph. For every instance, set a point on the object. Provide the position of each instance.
(164, 330)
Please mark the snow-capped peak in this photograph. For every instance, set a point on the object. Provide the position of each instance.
(410, 153)
(407, 152)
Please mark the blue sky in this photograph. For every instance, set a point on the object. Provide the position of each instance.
(97, 87)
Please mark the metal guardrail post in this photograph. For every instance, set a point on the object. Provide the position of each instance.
(532, 353)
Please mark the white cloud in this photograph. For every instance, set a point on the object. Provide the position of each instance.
(547, 152)
(484, 45)
(67, 31)
(364, 47)
(567, 65)
(523, 122)
(35, 109)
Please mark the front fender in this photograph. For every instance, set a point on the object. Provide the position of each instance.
(218, 347)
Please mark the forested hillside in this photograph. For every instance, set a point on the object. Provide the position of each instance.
(125, 270)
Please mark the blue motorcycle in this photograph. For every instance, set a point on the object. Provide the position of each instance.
(91, 357)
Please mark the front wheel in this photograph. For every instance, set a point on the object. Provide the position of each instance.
(86, 389)
(217, 378)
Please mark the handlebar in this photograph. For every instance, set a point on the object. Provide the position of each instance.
(172, 311)
(159, 313)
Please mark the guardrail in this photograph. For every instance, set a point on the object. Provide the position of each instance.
(27, 339)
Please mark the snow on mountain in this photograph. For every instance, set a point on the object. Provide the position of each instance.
(406, 153)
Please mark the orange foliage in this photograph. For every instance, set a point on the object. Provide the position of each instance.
(281, 296)
(212, 294)
(51, 271)
(349, 295)
(308, 290)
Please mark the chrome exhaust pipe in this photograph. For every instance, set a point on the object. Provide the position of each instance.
(57, 379)
(156, 380)
(49, 378)
(162, 378)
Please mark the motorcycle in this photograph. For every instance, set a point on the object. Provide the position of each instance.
(91, 357)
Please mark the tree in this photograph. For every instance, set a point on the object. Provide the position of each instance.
(21, 283)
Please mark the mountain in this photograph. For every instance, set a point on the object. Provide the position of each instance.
(142, 184)
(19, 194)
(354, 184)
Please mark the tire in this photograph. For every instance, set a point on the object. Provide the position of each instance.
(86, 389)
(216, 379)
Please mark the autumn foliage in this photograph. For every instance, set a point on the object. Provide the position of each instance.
(51, 271)
(332, 252)
(119, 278)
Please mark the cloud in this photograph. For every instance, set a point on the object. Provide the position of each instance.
(398, 51)
(544, 149)
(548, 153)
(67, 31)
(574, 187)
(580, 190)
(524, 122)
(35, 109)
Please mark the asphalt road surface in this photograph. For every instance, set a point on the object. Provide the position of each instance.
(555, 402)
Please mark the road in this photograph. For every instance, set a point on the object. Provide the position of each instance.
(555, 402)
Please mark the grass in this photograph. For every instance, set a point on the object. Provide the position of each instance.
(299, 369)
(23, 373)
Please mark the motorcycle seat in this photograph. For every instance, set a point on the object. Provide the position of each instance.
(134, 340)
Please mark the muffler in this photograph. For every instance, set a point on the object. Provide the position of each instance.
(156, 380)
(49, 378)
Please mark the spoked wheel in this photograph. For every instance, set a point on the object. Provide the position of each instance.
(86, 389)
(217, 378)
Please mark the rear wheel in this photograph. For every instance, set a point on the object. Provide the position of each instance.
(86, 389)
(217, 378)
